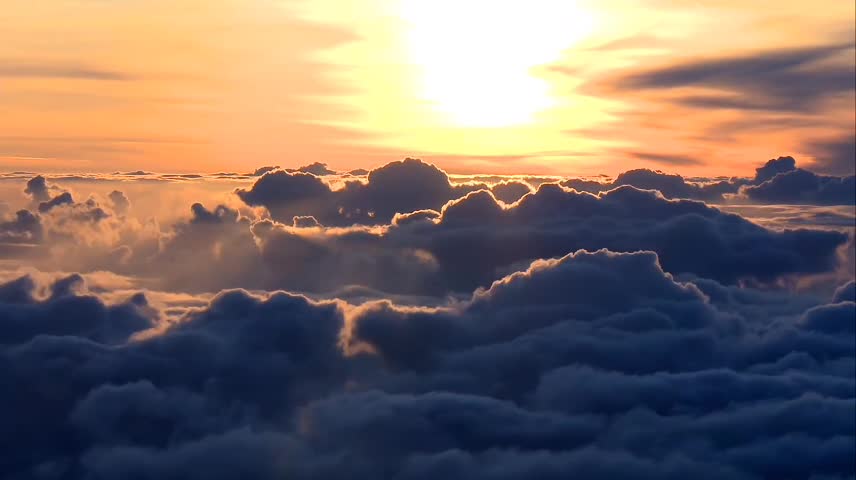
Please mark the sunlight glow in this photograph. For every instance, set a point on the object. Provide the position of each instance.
(476, 56)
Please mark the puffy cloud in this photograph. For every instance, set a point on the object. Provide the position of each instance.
(120, 202)
(317, 168)
(474, 240)
(598, 365)
(64, 198)
(467, 243)
(475, 237)
(23, 316)
(37, 188)
(510, 191)
(26, 227)
(774, 167)
(671, 186)
(263, 170)
(803, 187)
(398, 187)
(778, 181)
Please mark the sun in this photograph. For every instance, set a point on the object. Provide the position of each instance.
(475, 57)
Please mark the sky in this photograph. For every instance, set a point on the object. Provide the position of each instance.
(561, 87)
(422, 239)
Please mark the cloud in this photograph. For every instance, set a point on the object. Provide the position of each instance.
(61, 199)
(681, 379)
(477, 238)
(774, 167)
(120, 202)
(803, 187)
(795, 80)
(778, 181)
(660, 158)
(37, 187)
(670, 185)
(67, 71)
(63, 312)
(26, 227)
(845, 293)
(465, 244)
(474, 237)
(317, 168)
(836, 156)
(397, 187)
(510, 191)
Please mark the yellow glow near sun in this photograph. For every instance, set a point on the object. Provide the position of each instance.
(476, 56)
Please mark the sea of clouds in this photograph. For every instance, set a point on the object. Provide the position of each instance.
(403, 323)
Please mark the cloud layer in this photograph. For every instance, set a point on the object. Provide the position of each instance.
(680, 379)
(462, 330)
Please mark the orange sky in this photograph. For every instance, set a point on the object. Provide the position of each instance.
(487, 86)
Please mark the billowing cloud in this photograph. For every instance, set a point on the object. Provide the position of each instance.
(777, 182)
(803, 187)
(475, 239)
(398, 187)
(681, 379)
(670, 185)
(465, 244)
(510, 191)
(37, 187)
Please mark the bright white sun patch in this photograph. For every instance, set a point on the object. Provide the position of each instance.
(476, 56)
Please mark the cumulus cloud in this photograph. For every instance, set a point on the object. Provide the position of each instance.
(681, 379)
(474, 240)
(777, 182)
(803, 187)
(64, 198)
(26, 227)
(468, 243)
(465, 244)
(120, 202)
(398, 187)
(670, 185)
(37, 188)
(510, 191)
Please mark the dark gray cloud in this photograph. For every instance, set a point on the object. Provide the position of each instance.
(38, 189)
(795, 80)
(670, 185)
(835, 156)
(398, 187)
(26, 227)
(680, 379)
(474, 240)
(803, 187)
(64, 198)
(510, 191)
(778, 181)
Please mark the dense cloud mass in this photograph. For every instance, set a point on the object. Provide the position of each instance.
(804, 187)
(510, 329)
(778, 181)
(469, 243)
(397, 187)
(597, 365)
